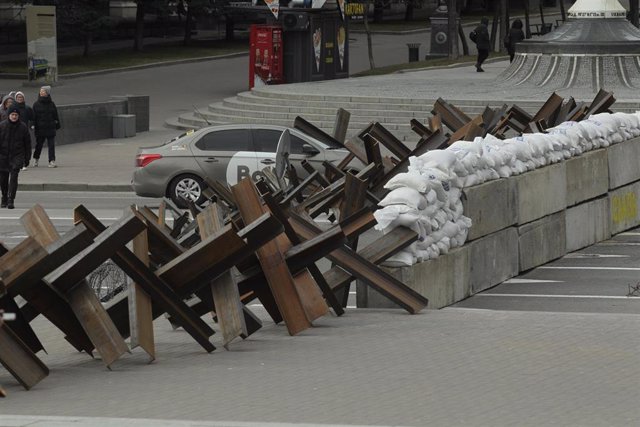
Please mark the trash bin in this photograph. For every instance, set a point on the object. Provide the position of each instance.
(124, 125)
(414, 52)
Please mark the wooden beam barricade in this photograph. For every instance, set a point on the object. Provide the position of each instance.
(226, 297)
(281, 282)
(23, 268)
(364, 270)
(157, 288)
(19, 360)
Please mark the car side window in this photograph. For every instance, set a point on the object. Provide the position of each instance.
(267, 141)
(296, 144)
(226, 140)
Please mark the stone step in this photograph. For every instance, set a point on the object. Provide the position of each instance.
(195, 121)
(244, 110)
(283, 107)
(296, 103)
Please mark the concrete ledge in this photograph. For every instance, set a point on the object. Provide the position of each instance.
(480, 203)
(623, 163)
(542, 241)
(71, 186)
(541, 192)
(624, 204)
(587, 224)
(494, 259)
(587, 176)
(444, 281)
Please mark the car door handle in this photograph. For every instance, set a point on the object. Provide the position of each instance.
(267, 162)
(211, 160)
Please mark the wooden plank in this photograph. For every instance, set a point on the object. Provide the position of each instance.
(229, 309)
(386, 138)
(273, 263)
(341, 124)
(19, 360)
(105, 245)
(315, 132)
(25, 265)
(159, 291)
(313, 269)
(20, 326)
(366, 271)
(376, 252)
(354, 201)
(140, 305)
(83, 301)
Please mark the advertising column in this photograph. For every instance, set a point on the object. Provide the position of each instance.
(42, 50)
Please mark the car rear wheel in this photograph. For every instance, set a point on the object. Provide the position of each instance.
(188, 187)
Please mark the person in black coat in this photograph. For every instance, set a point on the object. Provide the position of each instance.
(15, 150)
(26, 115)
(515, 35)
(46, 123)
(483, 42)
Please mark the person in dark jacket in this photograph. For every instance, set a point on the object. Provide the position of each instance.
(483, 42)
(515, 35)
(26, 116)
(46, 123)
(15, 150)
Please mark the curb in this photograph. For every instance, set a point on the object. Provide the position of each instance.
(456, 65)
(72, 186)
(133, 68)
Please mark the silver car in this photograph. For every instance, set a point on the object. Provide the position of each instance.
(226, 153)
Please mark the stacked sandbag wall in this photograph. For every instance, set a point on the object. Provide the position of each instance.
(526, 201)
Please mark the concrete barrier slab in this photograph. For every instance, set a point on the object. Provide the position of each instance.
(588, 223)
(494, 259)
(542, 241)
(623, 163)
(444, 281)
(541, 192)
(491, 207)
(625, 205)
(587, 176)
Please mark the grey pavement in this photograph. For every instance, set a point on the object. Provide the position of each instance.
(451, 367)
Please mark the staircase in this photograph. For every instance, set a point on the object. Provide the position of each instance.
(261, 106)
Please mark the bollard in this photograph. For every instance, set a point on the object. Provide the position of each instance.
(414, 52)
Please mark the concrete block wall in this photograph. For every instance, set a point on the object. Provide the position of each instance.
(94, 121)
(525, 221)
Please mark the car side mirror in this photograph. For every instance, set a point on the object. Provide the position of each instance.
(309, 149)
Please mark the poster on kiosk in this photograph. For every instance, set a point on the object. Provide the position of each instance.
(265, 55)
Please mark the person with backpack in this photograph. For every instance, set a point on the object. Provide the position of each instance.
(480, 36)
(514, 36)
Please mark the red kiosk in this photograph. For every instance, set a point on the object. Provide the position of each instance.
(265, 55)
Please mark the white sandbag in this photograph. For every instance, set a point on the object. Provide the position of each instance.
(443, 160)
(404, 196)
(411, 180)
(388, 214)
(404, 258)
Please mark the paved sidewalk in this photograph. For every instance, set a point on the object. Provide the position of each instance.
(104, 165)
(451, 367)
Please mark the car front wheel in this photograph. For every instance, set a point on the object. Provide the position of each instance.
(186, 187)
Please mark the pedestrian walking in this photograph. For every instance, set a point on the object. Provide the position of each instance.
(46, 123)
(480, 36)
(7, 100)
(514, 36)
(15, 149)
